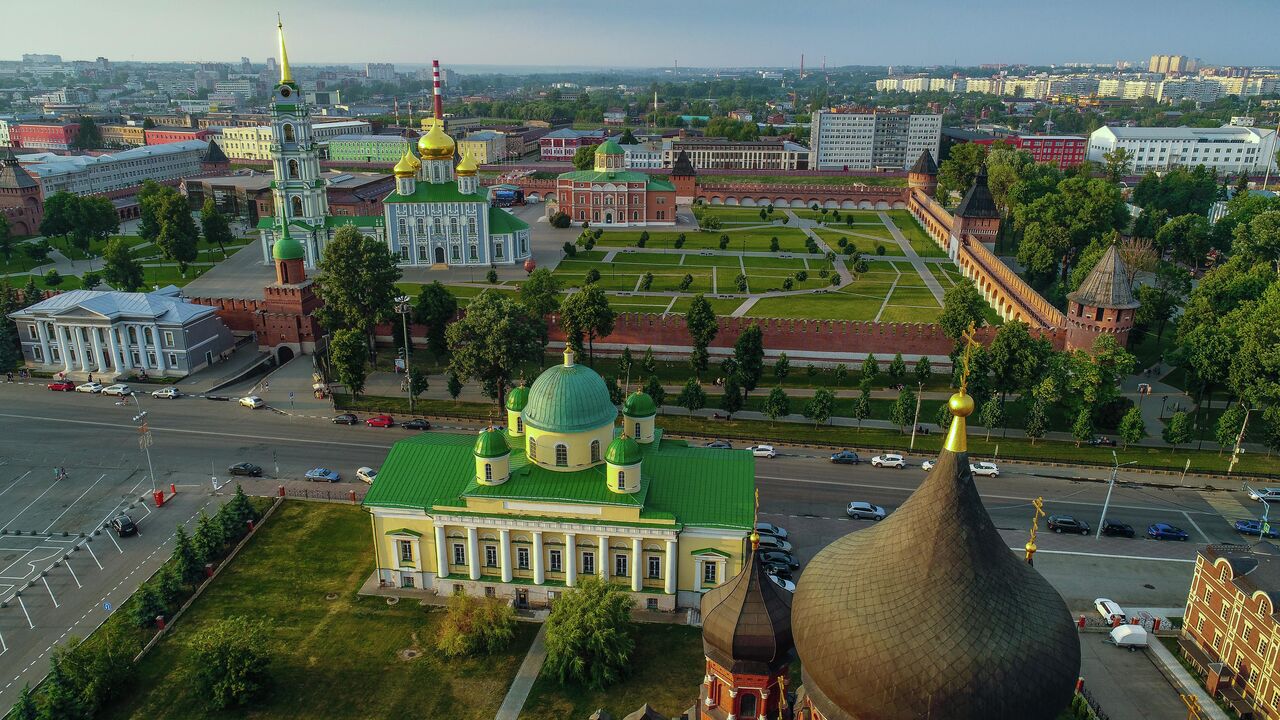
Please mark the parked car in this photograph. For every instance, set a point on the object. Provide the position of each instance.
(864, 511)
(1068, 524)
(1101, 442)
(1268, 494)
(119, 390)
(984, 469)
(764, 451)
(1254, 527)
(783, 583)
(252, 402)
(323, 475)
(89, 387)
(1165, 531)
(927, 465)
(366, 475)
(380, 421)
(778, 557)
(245, 468)
(61, 386)
(124, 525)
(771, 529)
(345, 419)
(778, 569)
(888, 460)
(720, 445)
(1109, 610)
(769, 542)
(845, 457)
(416, 424)
(1115, 528)
(167, 393)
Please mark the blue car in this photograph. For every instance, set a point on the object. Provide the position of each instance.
(323, 475)
(1254, 527)
(1165, 531)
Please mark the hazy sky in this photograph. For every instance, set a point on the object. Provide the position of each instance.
(706, 33)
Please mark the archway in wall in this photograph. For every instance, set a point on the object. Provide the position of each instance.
(701, 199)
(551, 197)
(882, 205)
(731, 201)
(899, 205)
(748, 202)
(20, 228)
(781, 202)
(533, 197)
(848, 205)
(440, 255)
(283, 354)
(865, 205)
(832, 204)
(798, 203)
(608, 218)
(717, 200)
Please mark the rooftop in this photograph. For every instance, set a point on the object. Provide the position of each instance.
(164, 305)
(1107, 285)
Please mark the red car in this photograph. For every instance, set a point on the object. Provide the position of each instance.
(62, 386)
(380, 421)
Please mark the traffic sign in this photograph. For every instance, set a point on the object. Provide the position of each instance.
(290, 394)
(106, 605)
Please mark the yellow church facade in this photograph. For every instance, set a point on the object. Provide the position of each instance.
(525, 512)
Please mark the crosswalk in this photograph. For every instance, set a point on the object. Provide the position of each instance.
(1229, 506)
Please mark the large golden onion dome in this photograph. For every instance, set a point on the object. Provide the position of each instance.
(436, 145)
(407, 166)
(468, 166)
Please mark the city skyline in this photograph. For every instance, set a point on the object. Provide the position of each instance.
(320, 33)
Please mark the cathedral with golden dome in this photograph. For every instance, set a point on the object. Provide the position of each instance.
(437, 215)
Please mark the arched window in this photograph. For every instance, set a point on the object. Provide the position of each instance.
(488, 472)
(293, 169)
(497, 250)
(133, 335)
(288, 132)
(421, 229)
(747, 706)
(595, 451)
(635, 216)
(453, 226)
(533, 447)
(437, 226)
(582, 215)
(562, 456)
(471, 226)
(637, 433)
(622, 480)
(608, 200)
(295, 205)
(403, 225)
(475, 252)
(519, 424)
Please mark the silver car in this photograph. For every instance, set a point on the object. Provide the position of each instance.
(865, 511)
(770, 542)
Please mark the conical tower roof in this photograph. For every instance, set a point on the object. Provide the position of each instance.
(746, 622)
(1107, 285)
(682, 166)
(924, 165)
(928, 614)
(978, 203)
(12, 175)
(214, 154)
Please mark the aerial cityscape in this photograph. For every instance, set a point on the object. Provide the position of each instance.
(918, 371)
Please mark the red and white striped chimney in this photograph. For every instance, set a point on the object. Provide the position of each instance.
(438, 100)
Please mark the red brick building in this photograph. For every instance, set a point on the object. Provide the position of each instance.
(611, 196)
(1063, 151)
(1104, 304)
(563, 143)
(21, 200)
(163, 135)
(43, 136)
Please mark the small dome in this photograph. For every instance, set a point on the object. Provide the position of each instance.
(517, 398)
(569, 398)
(609, 147)
(746, 622)
(286, 248)
(407, 166)
(623, 451)
(468, 166)
(436, 145)
(639, 405)
(491, 443)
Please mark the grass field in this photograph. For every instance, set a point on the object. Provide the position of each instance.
(915, 234)
(754, 239)
(870, 217)
(909, 300)
(873, 180)
(623, 274)
(331, 658)
(865, 246)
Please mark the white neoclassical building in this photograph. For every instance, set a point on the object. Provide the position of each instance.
(111, 334)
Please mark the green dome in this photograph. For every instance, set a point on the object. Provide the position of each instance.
(610, 147)
(623, 451)
(492, 443)
(569, 398)
(517, 398)
(286, 248)
(639, 405)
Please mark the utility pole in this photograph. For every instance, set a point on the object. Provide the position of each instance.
(915, 423)
(144, 439)
(404, 308)
(1235, 453)
(1115, 470)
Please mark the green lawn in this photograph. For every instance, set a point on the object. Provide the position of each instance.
(873, 180)
(865, 246)
(915, 234)
(737, 214)
(859, 216)
(755, 239)
(331, 658)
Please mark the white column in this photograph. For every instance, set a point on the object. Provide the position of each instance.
(604, 557)
(672, 568)
(697, 575)
(266, 250)
(570, 560)
(142, 346)
(43, 332)
(637, 580)
(539, 574)
(504, 553)
(64, 346)
(97, 347)
(442, 553)
(81, 354)
(155, 337)
(473, 553)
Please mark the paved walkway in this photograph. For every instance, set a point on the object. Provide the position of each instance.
(916, 261)
(513, 703)
(1185, 683)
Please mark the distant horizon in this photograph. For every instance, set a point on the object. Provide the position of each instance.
(708, 34)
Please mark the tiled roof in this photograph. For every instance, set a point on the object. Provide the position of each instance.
(1107, 285)
(978, 203)
(428, 193)
(214, 154)
(502, 222)
(746, 622)
(924, 165)
(12, 176)
(164, 305)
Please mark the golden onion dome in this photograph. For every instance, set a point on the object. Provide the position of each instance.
(468, 166)
(435, 145)
(407, 166)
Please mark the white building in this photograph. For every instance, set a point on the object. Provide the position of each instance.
(645, 156)
(865, 140)
(85, 175)
(1227, 149)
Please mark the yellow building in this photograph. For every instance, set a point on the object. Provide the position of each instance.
(247, 143)
(123, 135)
(561, 493)
(486, 146)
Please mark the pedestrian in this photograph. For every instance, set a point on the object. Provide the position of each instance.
(266, 385)
(90, 377)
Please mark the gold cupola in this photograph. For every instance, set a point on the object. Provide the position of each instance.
(436, 144)
(468, 166)
(407, 166)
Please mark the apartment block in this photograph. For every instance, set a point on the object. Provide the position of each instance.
(871, 139)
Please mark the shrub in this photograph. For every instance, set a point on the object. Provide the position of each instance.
(590, 243)
(843, 242)
(597, 233)
(802, 275)
(589, 634)
(592, 275)
(724, 241)
(680, 240)
(646, 281)
(640, 241)
(231, 659)
(560, 220)
(91, 280)
(570, 250)
(52, 278)
(823, 272)
(686, 282)
(835, 279)
(741, 282)
(861, 265)
(476, 626)
(788, 283)
(879, 249)
(492, 276)
(774, 246)
(644, 235)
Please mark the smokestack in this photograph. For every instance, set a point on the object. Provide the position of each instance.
(438, 100)
(801, 66)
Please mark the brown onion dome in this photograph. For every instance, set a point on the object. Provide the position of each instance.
(928, 614)
(746, 622)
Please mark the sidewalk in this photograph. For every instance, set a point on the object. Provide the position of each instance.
(523, 682)
(288, 389)
(1185, 684)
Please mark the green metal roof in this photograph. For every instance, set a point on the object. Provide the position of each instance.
(568, 399)
(610, 147)
(286, 248)
(337, 221)
(517, 398)
(428, 193)
(657, 184)
(613, 177)
(693, 486)
(491, 443)
(623, 451)
(502, 222)
(639, 405)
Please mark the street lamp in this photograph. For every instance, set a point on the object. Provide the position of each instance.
(1115, 470)
(404, 308)
(1264, 527)
(1235, 453)
(144, 439)
(915, 423)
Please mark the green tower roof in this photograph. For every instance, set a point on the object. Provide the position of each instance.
(623, 451)
(517, 398)
(569, 398)
(286, 248)
(491, 443)
(610, 147)
(639, 405)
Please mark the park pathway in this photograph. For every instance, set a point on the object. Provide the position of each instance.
(513, 703)
(916, 261)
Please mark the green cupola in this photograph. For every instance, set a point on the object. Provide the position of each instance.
(622, 465)
(517, 399)
(286, 248)
(639, 405)
(491, 443)
(493, 457)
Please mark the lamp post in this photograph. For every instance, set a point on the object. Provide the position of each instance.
(915, 423)
(1115, 470)
(1235, 453)
(144, 439)
(404, 308)
(1265, 526)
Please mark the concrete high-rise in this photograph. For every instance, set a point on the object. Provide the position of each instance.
(866, 139)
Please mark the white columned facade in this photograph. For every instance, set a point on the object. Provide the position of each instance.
(672, 568)
(473, 553)
(504, 552)
(637, 578)
(82, 357)
(604, 557)
(697, 574)
(155, 338)
(142, 346)
(570, 560)
(64, 345)
(539, 573)
(42, 330)
(96, 342)
(442, 554)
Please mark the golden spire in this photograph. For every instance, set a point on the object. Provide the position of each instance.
(755, 535)
(1030, 547)
(285, 75)
(961, 404)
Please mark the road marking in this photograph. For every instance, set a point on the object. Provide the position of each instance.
(1228, 506)
(1197, 527)
(1103, 555)
(28, 507)
(73, 502)
(15, 482)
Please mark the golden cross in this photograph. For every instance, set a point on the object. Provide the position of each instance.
(1030, 547)
(970, 338)
(757, 504)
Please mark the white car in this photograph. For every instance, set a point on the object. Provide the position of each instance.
(985, 469)
(765, 451)
(366, 474)
(1109, 610)
(783, 583)
(927, 465)
(89, 387)
(1268, 494)
(252, 401)
(119, 389)
(167, 393)
(864, 511)
(888, 460)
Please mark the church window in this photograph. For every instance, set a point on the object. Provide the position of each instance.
(747, 706)
(475, 252)
(497, 250)
(523, 248)
(437, 226)
(595, 451)
(421, 227)
(455, 252)
(490, 556)
(588, 563)
(622, 480)
(555, 556)
(519, 424)
(459, 554)
(533, 444)
(655, 566)
(404, 251)
(522, 558)
(608, 199)
(406, 550)
(295, 204)
(620, 565)
(562, 456)
(596, 216)
(488, 472)
(471, 226)
(293, 169)
(453, 226)
(133, 335)
(404, 229)
(582, 214)
(637, 432)
(709, 572)
(635, 215)
(288, 132)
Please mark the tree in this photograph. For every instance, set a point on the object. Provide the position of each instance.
(215, 226)
(1178, 429)
(6, 239)
(587, 312)
(943, 418)
(904, 408)
(347, 355)
(1132, 427)
(692, 397)
(209, 539)
(560, 220)
(10, 345)
(870, 368)
(924, 371)
(839, 374)
(492, 340)
(357, 281)
(89, 135)
(777, 404)
(52, 278)
(1162, 298)
(436, 307)
(38, 251)
(418, 383)
(150, 197)
(92, 218)
(653, 388)
(61, 701)
(584, 158)
(476, 626)
(1015, 359)
(1115, 163)
(992, 414)
(186, 559)
(1058, 224)
(732, 401)
(231, 658)
(454, 386)
(962, 307)
(1082, 427)
(1185, 238)
(748, 353)
(588, 634)
(148, 604)
(25, 708)
(1037, 421)
(781, 367)
(119, 268)
(59, 214)
(897, 369)
(1178, 191)
(861, 405)
(648, 363)
(1228, 427)
(958, 171)
(540, 293)
(91, 280)
(625, 363)
(178, 234)
(703, 327)
(819, 408)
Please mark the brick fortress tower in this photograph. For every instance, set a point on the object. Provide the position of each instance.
(286, 321)
(924, 174)
(685, 178)
(1104, 304)
(977, 214)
